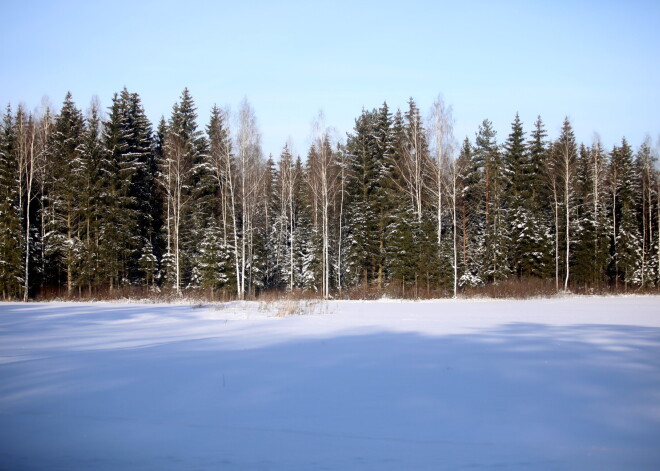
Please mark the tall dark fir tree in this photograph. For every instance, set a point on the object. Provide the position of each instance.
(62, 214)
(10, 212)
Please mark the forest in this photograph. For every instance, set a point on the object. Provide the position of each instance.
(102, 203)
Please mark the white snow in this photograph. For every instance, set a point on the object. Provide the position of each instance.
(566, 383)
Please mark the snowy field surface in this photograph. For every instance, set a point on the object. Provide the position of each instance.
(568, 383)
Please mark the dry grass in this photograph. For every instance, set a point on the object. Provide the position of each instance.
(513, 289)
(296, 302)
(295, 307)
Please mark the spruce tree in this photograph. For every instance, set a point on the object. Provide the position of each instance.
(626, 239)
(219, 163)
(537, 165)
(308, 243)
(90, 200)
(539, 196)
(487, 153)
(472, 216)
(591, 252)
(10, 220)
(362, 231)
(515, 166)
(646, 182)
(63, 245)
(516, 200)
(184, 148)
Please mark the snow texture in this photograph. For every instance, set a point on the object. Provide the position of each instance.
(569, 383)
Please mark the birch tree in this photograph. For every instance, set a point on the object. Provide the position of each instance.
(288, 179)
(567, 154)
(250, 169)
(221, 166)
(323, 178)
(30, 161)
(446, 173)
(182, 154)
(645, 163)
(414, 164)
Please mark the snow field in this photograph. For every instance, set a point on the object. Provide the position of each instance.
(566, 383)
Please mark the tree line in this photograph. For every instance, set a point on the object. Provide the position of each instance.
(93, 203)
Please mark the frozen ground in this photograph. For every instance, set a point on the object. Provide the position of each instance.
(570, 384)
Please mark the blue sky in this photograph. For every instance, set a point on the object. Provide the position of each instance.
(597, 62)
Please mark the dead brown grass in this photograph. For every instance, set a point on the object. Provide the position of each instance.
(290, 302)
(512, 289)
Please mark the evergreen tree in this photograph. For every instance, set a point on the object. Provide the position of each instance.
(536, 171)
(516, 166)
(366, 211)
(591, 252)
(402, 247)
(10, 220)
(495, 265)
(148, 265)
(131, 201)
(646, 182)
(472, 216)
(626, 239)
(517, 211)
(308, 243)
(184, 148)
(220, 170)
(160, 239)
(212, 262)
(63, 246)
(90, 200)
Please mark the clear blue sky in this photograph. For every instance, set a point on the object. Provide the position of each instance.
(597, 62)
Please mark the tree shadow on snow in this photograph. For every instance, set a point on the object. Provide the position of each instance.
(517, 397)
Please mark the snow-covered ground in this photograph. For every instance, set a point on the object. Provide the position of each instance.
(569, 384)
